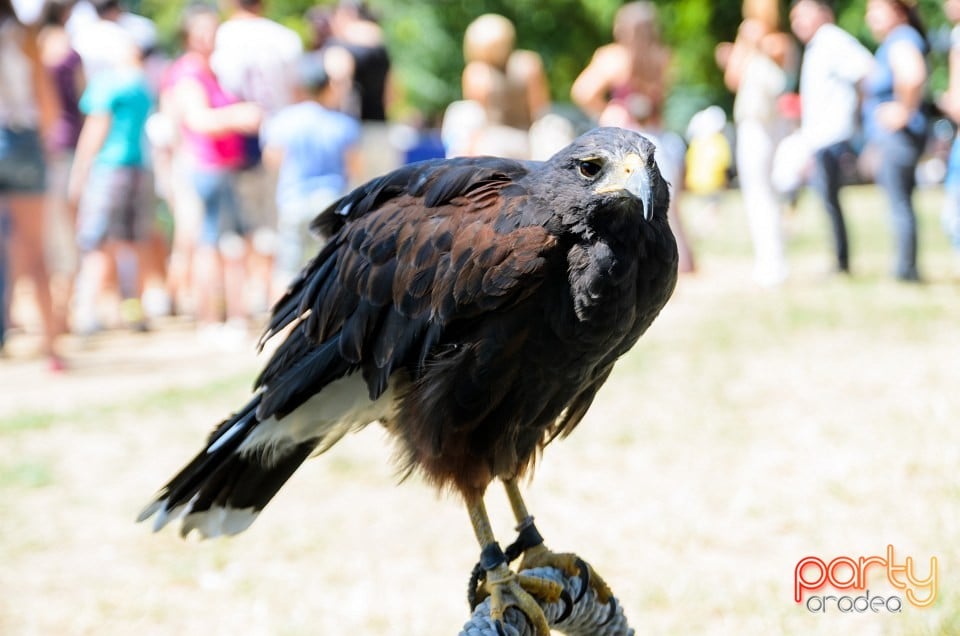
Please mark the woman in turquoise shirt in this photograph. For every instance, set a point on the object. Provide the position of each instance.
(110, 183)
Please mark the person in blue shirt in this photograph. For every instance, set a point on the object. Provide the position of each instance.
(110, 185)
(894, 123)
(317, 150)
(950, 104)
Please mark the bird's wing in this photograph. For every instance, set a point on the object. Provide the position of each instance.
(437, 181)
(410, 255)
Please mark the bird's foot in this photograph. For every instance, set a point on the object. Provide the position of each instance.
(494, 578)
(571, 565)
(530, 544)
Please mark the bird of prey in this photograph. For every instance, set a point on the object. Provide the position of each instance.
(474, 307)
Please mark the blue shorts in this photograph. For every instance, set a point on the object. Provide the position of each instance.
(22, 168)
(116, 204)
(221, 207)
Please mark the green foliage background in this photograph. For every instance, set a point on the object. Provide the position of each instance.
(425, 41)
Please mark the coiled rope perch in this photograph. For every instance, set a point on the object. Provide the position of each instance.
(588, 617)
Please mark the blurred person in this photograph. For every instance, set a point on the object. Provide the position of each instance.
(255, 60)
(179, 210)
(211, 127)
(101, 32)
(173, 166)
(316, 149)
(111, 187)
(63, 64)
(354, 27)
(340, 63)
(626, 84)
(894, 122)
(708, 155)
(505, 91)
(509, 83)
(792, 159)
(635, 63)
(950, 104)
(254, 57)
(173, 185)
(755, 68)
(27, 109)
(320, 22)
(834, 65)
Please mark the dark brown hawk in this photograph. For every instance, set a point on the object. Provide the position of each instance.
(473, 306)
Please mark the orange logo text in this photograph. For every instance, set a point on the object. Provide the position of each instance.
(847, 573)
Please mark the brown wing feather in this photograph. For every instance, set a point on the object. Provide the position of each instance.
(395, 277)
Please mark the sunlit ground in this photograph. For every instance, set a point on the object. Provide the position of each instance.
(748, 429)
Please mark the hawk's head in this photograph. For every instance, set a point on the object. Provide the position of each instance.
(610, 169)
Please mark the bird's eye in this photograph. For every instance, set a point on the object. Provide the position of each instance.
(589, 168)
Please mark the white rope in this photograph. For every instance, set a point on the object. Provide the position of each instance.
(585, 618)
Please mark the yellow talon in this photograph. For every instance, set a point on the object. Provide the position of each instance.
(507, 589)
(571, 565)
(549, 591)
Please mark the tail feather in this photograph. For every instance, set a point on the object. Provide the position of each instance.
(224, 488)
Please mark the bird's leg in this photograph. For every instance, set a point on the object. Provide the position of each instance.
(506, 587)
(535, 554)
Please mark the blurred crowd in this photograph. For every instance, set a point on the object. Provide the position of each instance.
(134, 185)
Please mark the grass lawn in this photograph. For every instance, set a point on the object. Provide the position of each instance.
(748, 429)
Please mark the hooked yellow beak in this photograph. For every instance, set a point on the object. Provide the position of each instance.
(631, 175)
